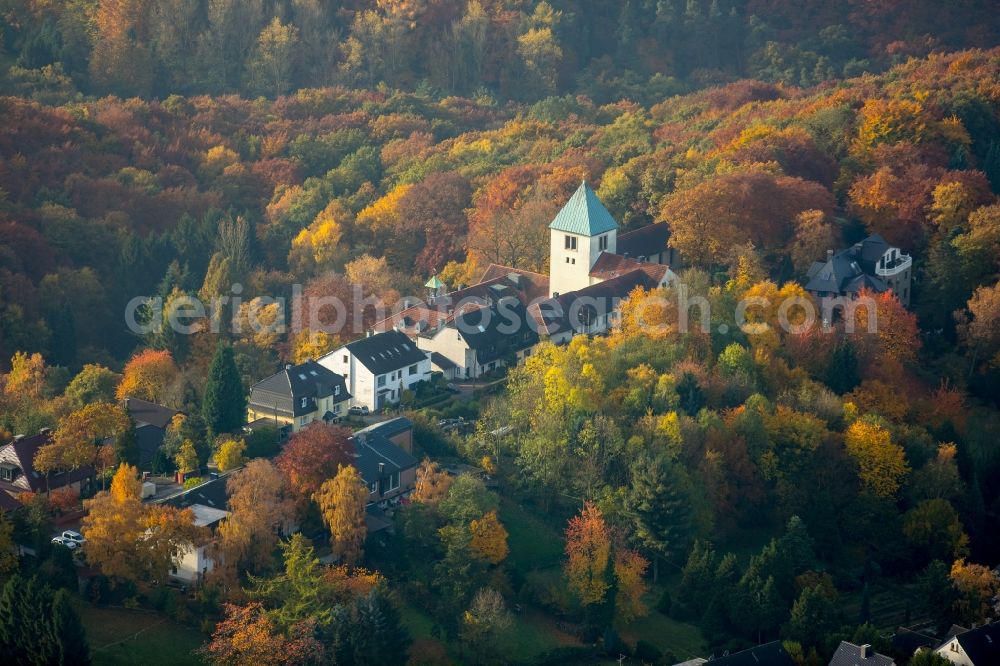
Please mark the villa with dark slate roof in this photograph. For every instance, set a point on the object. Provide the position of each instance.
(871, 264)
(299, 395)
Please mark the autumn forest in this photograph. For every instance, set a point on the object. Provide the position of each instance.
(651, 493)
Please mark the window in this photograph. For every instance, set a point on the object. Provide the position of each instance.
(381, 380)
(373, 487)
(393, 481)
(345, 358)
(602, 243)
(8, 472)
(570, 242)
(336, 390)
(413, 369)
(305, 402)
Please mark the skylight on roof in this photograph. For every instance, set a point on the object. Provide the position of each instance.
(301, 376)
(313, 373)
(482, 329)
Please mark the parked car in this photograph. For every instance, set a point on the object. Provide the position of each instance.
(63, 541)
(358, 410)
(74, 536)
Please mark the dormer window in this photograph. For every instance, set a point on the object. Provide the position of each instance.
(570, 242)
(305, 402)
(8, 472)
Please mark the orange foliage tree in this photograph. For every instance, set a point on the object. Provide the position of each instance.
(148, 375)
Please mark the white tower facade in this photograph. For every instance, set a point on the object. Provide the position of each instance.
(580, 232)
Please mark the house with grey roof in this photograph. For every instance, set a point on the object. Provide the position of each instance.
(151, 422)
(378, 368)
(870, 264)
(849, 654)
(299, 395)
(482, 337)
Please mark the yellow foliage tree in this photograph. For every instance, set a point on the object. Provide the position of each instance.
(432, 483)
(489, 538)
(317, 247)
(342, 501)
(230, 454)
(308, 344)
(187, 458)
(26, 378)
(629, 570)
(383, 215)
(882, 465)
(588, 548)
(75, 442)
(126, 485)
(976, 586)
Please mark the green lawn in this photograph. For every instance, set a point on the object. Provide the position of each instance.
(533, 543)
(127, 637)
(683, 640)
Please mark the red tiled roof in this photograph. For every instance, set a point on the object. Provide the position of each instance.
(610, 266)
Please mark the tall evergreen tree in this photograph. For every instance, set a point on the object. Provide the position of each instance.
(842, 373)
(67, 632)
(127, 443)
(225, 404)
(659, 508)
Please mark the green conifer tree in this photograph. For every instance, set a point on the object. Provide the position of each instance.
(224, 405)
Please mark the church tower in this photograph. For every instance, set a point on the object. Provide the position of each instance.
(579, 233)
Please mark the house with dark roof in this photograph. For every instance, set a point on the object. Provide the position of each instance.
(378, 368)
(772, 654)
(398, 430)
(383, 456)
(976, 647)
(18, 473)
(484, 337)
(208, 502)
(151, 422)
(299, 395)
(870, 264)
(849, 654)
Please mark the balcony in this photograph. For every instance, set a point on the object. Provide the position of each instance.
(894, 267)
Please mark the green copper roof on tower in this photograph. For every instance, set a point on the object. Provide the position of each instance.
(434, 283)
(584, 214)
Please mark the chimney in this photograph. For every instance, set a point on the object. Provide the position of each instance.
(865, 649)
(829, 255)
(381, 467)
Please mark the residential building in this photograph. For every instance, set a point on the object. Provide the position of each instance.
(151, 421)
(398, 430)
(481, 338)
(18, 473)
(383, 456)
(208, 502)
(871, 264)
(975, 647)
(378, 368)
(299, 395)
(849, 654)
(772, 654)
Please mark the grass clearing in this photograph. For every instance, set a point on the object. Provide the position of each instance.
(533, 543)
(121, 636)
(683, 640)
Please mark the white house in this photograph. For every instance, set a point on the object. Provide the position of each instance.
(378, 368)
(195, 562)
(481, 338)
(976, 647)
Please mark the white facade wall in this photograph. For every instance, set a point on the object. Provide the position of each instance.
(953, 652)
(569, 269)
(450, 344)
(192, 563)
(364, 386)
